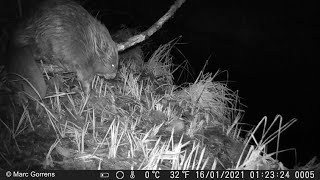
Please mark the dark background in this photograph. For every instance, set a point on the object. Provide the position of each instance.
(268, 48)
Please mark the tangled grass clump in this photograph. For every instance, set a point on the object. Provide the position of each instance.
(140, 120)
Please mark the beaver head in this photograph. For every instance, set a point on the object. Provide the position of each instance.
(105, 52)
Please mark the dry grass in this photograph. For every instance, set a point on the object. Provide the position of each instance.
(140, 120)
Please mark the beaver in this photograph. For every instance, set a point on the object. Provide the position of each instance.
(63, 33)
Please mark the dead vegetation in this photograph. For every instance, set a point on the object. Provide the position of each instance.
(140, 120)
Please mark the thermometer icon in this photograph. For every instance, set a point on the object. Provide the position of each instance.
(132, 176)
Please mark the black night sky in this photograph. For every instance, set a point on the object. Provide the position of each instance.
(267, 47)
